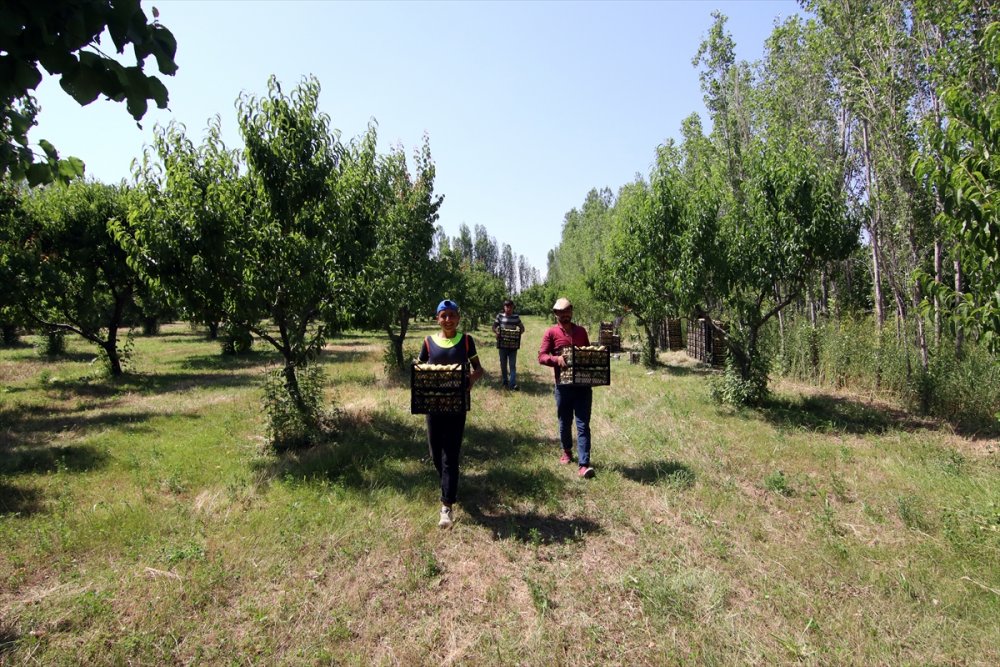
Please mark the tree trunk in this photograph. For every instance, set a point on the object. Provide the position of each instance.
(213, 330)
(824, 294)
(292, 386)
(111, 349)
(874, 225)
(959, 333)
(781, 323)
(938, 274)
(9, 334)
(650, 344)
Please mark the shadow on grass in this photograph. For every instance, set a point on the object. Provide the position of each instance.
(20, 501)
(837, 414)
(221, 362)
(341, 356)
(391, 453)
(78, 357)
(159, 383)
(670, 473)
(28, 434)
(529, 527)
(686, 371)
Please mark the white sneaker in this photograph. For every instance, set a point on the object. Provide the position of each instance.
(445, 521)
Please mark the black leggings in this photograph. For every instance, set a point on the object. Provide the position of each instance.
(444, 435)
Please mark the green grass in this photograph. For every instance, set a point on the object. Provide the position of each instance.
(144, 521)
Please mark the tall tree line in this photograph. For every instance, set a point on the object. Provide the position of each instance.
(871, 116)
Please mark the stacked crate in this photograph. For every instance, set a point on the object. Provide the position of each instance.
(586, 366)
(669, 335)
(439, 389)
(609, 338)
(705, 343)
(509, 339)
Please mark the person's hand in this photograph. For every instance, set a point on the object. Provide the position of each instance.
(562, 361)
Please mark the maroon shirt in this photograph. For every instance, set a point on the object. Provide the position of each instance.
(554, 340)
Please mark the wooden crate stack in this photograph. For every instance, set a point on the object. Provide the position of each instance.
(669, 335)
(439, 389)
(586, 366)
(510, 339)
(705, 343)
(609, 338)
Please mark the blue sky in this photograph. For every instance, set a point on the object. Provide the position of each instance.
(527, 105)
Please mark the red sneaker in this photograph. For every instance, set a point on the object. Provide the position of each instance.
(586, 472)
(565, 458)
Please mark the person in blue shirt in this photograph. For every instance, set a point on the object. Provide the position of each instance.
(445, 431)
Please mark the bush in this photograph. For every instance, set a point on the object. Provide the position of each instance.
(53, 343)
(8, 335)
(850, 353)
(235, 339)
(411, 349)
(288, 427)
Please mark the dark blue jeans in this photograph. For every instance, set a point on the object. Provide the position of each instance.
(508, 357)
(576, 401)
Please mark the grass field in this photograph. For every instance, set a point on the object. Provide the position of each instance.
(143, 521)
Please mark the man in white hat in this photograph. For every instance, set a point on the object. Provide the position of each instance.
(570, 400)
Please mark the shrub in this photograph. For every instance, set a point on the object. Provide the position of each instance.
(288, 427)
(849, 353)
(731, 388)
(235, 339)
(8, 335)
(53, 343)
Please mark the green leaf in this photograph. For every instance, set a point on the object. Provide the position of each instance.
(84, 85)
(70, 168)
(50, 150)
(26, 76)
(38, 173)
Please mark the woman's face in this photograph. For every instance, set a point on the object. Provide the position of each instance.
(448, 320)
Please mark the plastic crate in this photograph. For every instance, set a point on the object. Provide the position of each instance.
(437, 391)
(586, 367)
(509, 339)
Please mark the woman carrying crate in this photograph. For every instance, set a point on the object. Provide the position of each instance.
(445, 429)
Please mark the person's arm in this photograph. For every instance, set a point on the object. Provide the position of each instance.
(477, 371)
(424, 355)
(477, 368)
(496, 326)
(520, 324)
(547, 353)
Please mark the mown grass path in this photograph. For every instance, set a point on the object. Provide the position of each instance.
(144, 521)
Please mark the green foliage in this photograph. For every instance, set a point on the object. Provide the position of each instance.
(52, 343)
(777, 482)
(737, 388)
(574, 260)
(961, 166)
(63, 37)
(186, 209)
(75, 275)
(235, 339)
(282, 236)
(640, 273)
(295, 421)
(482, 296)
(537, 299)
(396, 274)
(849, 353)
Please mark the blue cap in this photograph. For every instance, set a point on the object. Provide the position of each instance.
(447, 304)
